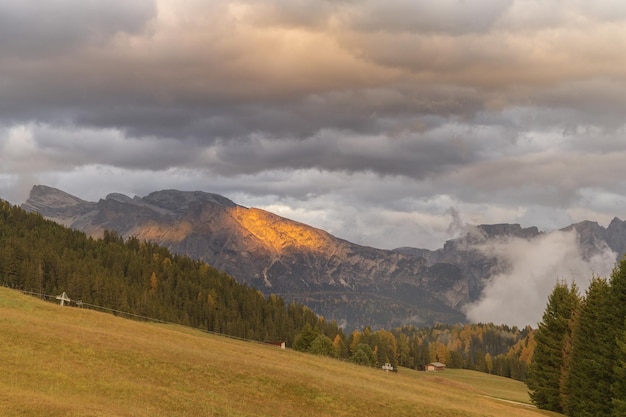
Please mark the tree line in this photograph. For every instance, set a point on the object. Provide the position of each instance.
(495, 349)
(580, 359)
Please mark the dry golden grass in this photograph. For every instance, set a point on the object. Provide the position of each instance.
(61, 361)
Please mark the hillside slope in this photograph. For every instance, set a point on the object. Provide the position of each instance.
(63, 361)
(141, 278)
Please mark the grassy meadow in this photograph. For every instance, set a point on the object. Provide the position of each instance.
(494, 386)
(63, 361)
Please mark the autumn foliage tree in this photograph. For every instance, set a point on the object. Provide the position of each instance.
(498, 349)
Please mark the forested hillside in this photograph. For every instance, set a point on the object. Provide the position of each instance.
(141, 278)
(580, 363)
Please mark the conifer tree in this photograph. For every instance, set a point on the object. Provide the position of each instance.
(545, 370)
(404, 351)
(618, 389)
(305, 338)
(364, 355)
(423, 356)
(618, 290)
(323, 346)
(567, 355)
(592, 358)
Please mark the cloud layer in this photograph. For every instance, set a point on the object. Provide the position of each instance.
(519, 296)
(370, 120)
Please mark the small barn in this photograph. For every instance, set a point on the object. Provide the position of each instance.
(435, 367)
(280, 344)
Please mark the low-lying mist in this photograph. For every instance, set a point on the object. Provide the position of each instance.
(519, 296)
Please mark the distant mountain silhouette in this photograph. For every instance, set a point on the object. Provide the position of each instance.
(353, 284)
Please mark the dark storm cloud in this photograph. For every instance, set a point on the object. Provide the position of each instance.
(223, 70)
(34, 28)
(345, 151)
(204, 76)
(505, 110)
(70, 146)
(390, 111)
(456, 17)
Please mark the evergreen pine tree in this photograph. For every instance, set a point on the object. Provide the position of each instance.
(305, 338)
(567, 354)
(592, 358)
(618, 290)
(323, 346)
(364, 355)
(545, 370)
(618, 389)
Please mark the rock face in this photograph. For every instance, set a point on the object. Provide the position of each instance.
(58, 205)
(593, 236)
(355, 285)
(463, 257)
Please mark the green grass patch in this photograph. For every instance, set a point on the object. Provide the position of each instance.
(62, 361)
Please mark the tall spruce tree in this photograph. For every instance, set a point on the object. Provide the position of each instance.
(544, 378)
(618, 389)
(618, 290)
(592, 359)
(567, 356)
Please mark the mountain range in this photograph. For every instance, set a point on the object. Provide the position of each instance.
(353, 284)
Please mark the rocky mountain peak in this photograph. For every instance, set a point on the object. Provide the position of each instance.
(479, 234)
(508, 230)
(593, 237)
(42, 196)
(56, 204)
(121, 198)
(616, 223)
(178, 201)
(616, 236)
(586, 226)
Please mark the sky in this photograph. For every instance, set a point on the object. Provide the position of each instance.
(387, 123)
